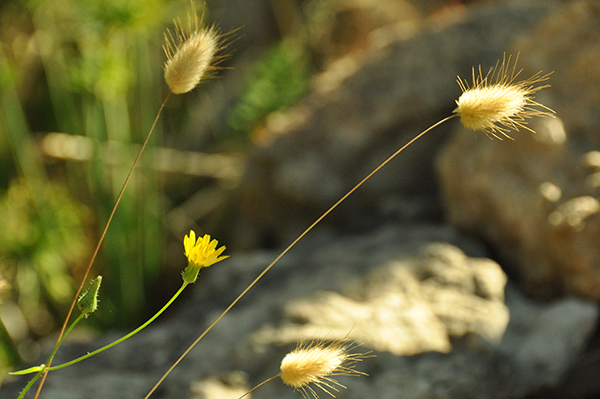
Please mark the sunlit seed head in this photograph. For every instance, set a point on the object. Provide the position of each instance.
(496, 103)
(316, 362)
(191, 54)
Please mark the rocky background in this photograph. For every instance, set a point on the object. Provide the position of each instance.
(469, 266)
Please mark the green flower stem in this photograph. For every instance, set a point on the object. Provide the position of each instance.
(77, 320)
(137, 330)
(42, 368)
(30, 384)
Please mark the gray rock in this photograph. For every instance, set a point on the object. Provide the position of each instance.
(417, 264)
(361, 110)
(571, 48)
(406, 306)
(536, 200)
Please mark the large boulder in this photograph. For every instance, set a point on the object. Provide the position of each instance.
(360, 111)
(536, 199)
(418, 290)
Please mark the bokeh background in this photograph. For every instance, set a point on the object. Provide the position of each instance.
(313, 95)
(81, 85)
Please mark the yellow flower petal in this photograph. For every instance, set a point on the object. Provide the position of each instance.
(202, 252)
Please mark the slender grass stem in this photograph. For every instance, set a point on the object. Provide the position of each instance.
(43, 368)
(30, 384)
(266, 269)
(77, 320)
(260, 385)
(137, 330)
(95, 254)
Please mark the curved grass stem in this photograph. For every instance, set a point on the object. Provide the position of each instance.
(259, 385)
(89, 267)
(137, 330)
(30, 384)
(43, 368)
(266, 269)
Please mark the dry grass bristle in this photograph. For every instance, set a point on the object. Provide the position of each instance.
(496, 103)
(316, 362)
(191, 54)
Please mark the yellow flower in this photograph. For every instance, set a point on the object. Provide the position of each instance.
(495, 103)
(201, 253)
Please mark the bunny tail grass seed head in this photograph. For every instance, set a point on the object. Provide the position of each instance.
(316, 362)
(497, 103)
(191, 54)
(200, 253)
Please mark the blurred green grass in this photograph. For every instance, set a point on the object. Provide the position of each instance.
(93, 69)
(81, 68)
(277, 81)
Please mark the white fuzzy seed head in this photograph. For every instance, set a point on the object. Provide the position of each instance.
(315, 363)
(495, 103)
(190, 54)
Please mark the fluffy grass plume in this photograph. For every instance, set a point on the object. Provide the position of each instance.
(190, 54)
(316, 362)
(496, 103)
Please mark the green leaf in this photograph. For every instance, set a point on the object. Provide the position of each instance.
(30, 370)
(88, 301)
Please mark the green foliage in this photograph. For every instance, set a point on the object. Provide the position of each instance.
(277, 81)
(38, 254)
(40, 261)
(96, 73)
(100, 77)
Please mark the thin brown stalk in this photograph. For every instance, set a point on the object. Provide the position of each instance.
(95, 254)
(290, 247)
(259, 385)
